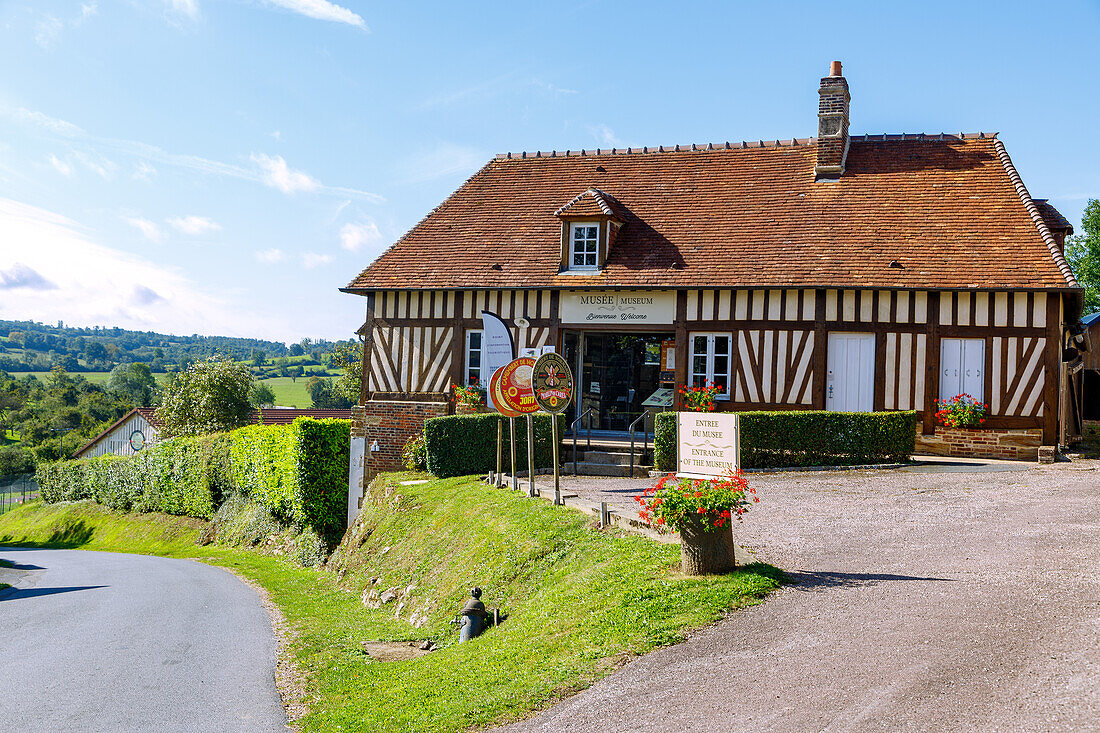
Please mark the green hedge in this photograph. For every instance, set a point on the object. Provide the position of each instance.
(803, 438)
(299, 472)
(186, 476)
(460, 445)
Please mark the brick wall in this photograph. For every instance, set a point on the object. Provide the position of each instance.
(1015, 444)
(391, 423)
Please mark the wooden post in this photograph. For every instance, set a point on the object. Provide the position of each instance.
(932, 359)
(1052, 364)
(554, 439)
(500, 450)
(821, 346)
(512, 440)
(531, 490)
(682, 347)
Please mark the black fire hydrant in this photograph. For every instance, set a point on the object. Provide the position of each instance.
(473, 617)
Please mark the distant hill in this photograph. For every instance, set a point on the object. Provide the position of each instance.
(30, 346)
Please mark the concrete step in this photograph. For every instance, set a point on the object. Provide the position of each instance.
(585, 468)
(612, 458)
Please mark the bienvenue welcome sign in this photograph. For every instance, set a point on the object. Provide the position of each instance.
(620, 307)
(708, 444)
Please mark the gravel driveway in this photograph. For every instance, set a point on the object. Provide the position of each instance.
(938, 598)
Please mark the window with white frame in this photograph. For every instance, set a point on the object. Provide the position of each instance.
(710, 361)
(473, 357)
(584, 245)
(962, 368)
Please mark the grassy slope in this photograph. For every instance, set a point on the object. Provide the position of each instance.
(290, 393)
(578, 601)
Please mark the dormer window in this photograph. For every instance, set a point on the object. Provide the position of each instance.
(584, 246)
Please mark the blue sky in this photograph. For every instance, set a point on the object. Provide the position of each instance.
(223, 166)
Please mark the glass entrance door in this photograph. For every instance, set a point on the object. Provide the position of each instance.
(617, 372)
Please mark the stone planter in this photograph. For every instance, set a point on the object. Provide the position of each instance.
(464, 409)
(1021, 444)
(706, 553)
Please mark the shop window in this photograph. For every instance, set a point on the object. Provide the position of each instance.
(710, 361)
(962, 368)
(473, 357)
(584, 246)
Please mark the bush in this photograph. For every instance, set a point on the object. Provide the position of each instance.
(298, 472)
(15, 461)
(184, 476)
(460, 445)
(415, 453)
(804, 438)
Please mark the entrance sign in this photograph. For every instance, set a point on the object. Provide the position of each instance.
(552, 383)
(497, 347)
(622, 307)
(514, 386)
(708, 444)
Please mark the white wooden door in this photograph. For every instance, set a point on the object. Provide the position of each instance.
(962, 368)
(850, 382)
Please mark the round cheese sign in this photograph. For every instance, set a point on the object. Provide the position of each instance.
(552, 383)
(514, 386)
(497, 398)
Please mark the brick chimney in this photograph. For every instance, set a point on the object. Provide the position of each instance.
(832, 125)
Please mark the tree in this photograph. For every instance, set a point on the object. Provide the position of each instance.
(348, 356)
(261, 395)
(259, 357)
(15, 460)
(135, 381)
(294, 372)
(296, 350)
(211, 396)
(1083, 255)
(324, 397)
(95, 351)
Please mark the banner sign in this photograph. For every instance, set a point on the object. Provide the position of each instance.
(708, 444)
(514, 386)
(552, 383)
(622, 307)
(497, 348)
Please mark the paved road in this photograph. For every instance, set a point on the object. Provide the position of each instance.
(96, 641)
(928, 600)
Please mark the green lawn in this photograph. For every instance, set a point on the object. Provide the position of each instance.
(93, 377)
(579, 602)
(290, 393)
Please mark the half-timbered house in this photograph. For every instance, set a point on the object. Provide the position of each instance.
(841, 272)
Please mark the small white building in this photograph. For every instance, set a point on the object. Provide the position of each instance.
(133, 432)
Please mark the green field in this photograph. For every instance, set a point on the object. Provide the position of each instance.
(288, 392)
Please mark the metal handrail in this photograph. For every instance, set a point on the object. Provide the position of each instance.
(573, 429)
(645, 439)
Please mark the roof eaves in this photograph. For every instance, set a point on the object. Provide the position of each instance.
(1036, 215)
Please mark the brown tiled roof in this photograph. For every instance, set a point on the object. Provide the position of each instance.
(592, 202)
(285, 416)
(1053, 217)
(950, 208)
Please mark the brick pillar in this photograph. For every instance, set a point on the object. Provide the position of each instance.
(832, 125)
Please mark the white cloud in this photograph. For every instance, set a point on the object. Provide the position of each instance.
(188, 8)
(277, 174)
(21, 276)
(194, 225)
(277, 135)
(355, 236)
(270, 256)
(98, 285)
(149, 229)
(102, 167)
(446, 159)
(321, 10)
(312, 259)
(143, 172)
(74, 135)
(47, 30)
(61, 166)
(88, 9)
(606, 136)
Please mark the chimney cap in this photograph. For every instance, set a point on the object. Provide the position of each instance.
(834, 69)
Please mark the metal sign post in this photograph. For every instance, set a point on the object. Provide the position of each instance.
(552, 383)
